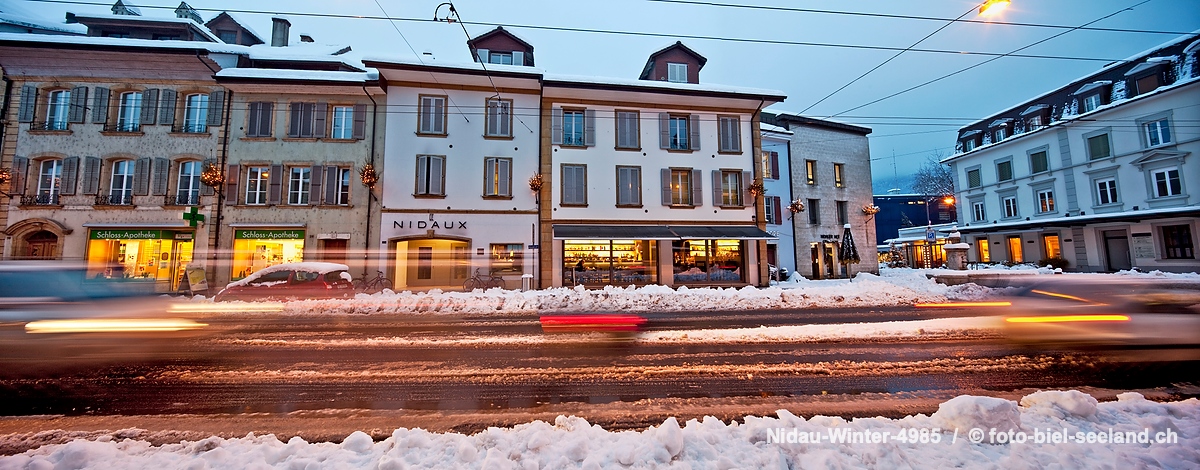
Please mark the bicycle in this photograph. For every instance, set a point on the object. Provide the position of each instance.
(373, 285)
(482, 281)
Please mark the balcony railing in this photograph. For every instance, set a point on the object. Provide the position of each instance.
(40, 200)
(190, 128)
(182, 200)
(48, 126)
(114, 200)
(123, 127)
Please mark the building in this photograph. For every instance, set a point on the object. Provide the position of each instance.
(830, 176)
(897, 211)
(776, 173)
(1100, 171)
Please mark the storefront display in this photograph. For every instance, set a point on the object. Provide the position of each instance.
(257, 249)
(146, 255)
(616, 262)
(708, 261)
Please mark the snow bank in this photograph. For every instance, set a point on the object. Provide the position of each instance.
(1129, 433)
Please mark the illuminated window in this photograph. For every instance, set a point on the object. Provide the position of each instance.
(507, 258)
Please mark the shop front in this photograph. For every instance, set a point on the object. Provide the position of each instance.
(444, 250)
(257, 248)
(154, 256)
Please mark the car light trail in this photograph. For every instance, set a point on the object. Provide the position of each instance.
(964, 304)
(1067, 318)
(1065, 296)
(112, 325)
(247, 307)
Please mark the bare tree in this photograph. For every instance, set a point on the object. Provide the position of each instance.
(934, 178)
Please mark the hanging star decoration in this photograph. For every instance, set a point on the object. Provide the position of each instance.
(535, 183)
(368, 175)
(870, 209)
(211, 176)
(796, 206)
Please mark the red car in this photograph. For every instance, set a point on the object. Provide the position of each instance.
(309, 280)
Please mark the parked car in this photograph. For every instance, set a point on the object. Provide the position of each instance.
(307, 280)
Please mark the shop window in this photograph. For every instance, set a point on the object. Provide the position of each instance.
(1051, 244)
(1177, 242)
(153, 256)
(982, 250)
(507, 258)
(1015, 250)
(615, 262)
(257, 249)
(708, 261)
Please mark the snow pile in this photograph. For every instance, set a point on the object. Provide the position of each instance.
(1079, 433)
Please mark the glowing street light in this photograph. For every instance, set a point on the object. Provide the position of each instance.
(993, 7)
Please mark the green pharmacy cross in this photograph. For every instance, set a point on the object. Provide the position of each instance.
(193, 216)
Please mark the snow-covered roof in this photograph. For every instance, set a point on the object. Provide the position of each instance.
(217, 47)
(1082, 219)
(1035, 108)
(244, 25)
(16, 14)
(579, 79)
(532, 71)
(1092, 86)
(154, 19)
(1000, 122)
(306, 75)
(773, 128)
(295, 51)
(499, 29)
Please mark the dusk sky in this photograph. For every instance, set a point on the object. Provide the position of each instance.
(805, 54)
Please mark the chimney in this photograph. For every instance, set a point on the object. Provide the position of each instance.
(280, 28)
(306, 38)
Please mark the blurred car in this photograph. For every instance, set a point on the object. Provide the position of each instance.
(1105, 311)
(287, 281)
(778, 273)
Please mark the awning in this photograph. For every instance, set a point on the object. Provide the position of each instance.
(661, 232)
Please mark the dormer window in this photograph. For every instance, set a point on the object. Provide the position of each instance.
(1034, 122)
(1091, 102)
(969, 145)
(677, 73)
(501, 47)
(503, 58)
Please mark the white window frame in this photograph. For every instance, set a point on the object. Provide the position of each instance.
(431, 114)
(188, 188)
(681, 187)
(50, 179)
(1169, 176)
(1009, 203)
(1045, 201)
(257, 183)
(121, 181)
(769, 210)
(731, 188)
(129, 114)
(1034, 123)
(574, 132)
(342, 126)
(497, 173)
(1000, 134)
(978, 212)
(678, 132)
(1158, 132)
(343, 189)
(57, 110)
(677, 72)
(766, 165)
(299, 185)
(499, 58)
(1091, 102)
(499, 118)
(629, 182)
(195, 114)
(431, 183)
(1107, 189)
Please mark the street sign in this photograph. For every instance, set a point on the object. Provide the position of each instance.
(929, 235)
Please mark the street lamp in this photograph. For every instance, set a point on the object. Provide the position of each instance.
(993, 7)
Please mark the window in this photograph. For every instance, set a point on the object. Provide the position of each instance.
(343, 123)
(1004, 171)
(999, 135)
(501, 58)
(769, 164)
(56, 113)
(432, 115)
(188, 190)
(258, 119)
(165, 37)
(1147, 84)
(1010, 206)
(1157, 132)
(129, 115)
(226, 36)
(343, 187)
(1106, 191)
(121, 187)
(969, 145)
(49, 181)
(256, 185)
(629, 186)
(627, 130)
(303, 120)
(1038, 162)
(195, 115)
(731, 188)
(677, 73)
(299, 186)
(681, 188)
(1050, 243)
(838, 170)
(431, 175)
(499, 118)
(574, 186)
(973, 178)
(1045, 201)
(498, 174)
(843, 213)
(507, 258)
(731, 134)
(814, 211)
(810, 171)
(1098, 146)
(1166, 183)
(771, 210)
(977, 213)
(1014, 250)
(1177, 242)
(573, 128)
(1034, 122)
(1091, 102)
(982, 250)
(678, 128)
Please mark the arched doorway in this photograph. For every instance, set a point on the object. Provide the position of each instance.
(42, 244)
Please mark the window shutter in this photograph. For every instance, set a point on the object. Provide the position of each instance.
(556, 126)
(78, 112)
(319, 112)
(100, 106)
(331, 184)
(665, 181)
(493, 118)
(482, 54)
(436, 175)
(275, 193)
(505, 181)
(698, 188)
(216, 108)
(776, 215)
(426, 115)
(439, 116)
(70, 176)
(141, 176)
(505, 118)
(295, 110)
(694, 130)
(664, 131)
(747, 198)
(206, 190)
(265, 113)
(252, 117)
(518, 58)
(314, 191)
(774, 165)
(149, 107)
(422, 171)
(91, 176)
(489, 169)
(232, 174)
(589, 128)
(166, 108)
(20, 169)
(307, 119)
(716, 189)
(162, 169)
(360, 121)
(735, 127)
(28, 103)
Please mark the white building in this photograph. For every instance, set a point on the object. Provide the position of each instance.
(1100, 172)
